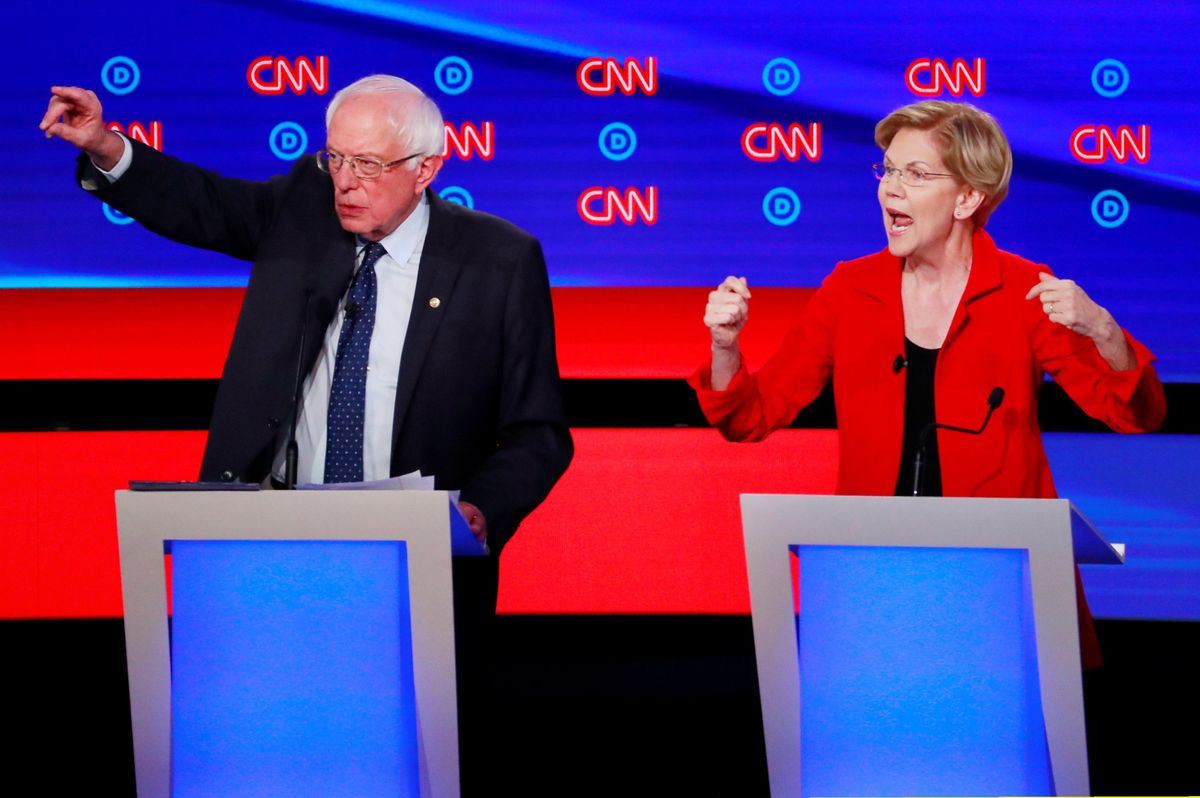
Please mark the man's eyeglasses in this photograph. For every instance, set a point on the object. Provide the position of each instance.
(909, 175)
(363, 168)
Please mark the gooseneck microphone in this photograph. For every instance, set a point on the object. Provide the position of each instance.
(293, 449)
(994, 400)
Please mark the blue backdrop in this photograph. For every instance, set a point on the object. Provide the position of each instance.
(1049, 69)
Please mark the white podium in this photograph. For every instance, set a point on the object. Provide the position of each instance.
(310, 649)
(919, 646)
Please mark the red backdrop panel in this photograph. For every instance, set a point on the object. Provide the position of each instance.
(184, 333)
(117, 333)
(658, 332)
(648, 521)
(645, 521)
(58, 525)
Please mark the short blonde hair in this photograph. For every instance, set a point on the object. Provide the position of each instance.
(971, 141)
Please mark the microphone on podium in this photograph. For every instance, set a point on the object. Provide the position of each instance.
(292, 452)
(994, 400)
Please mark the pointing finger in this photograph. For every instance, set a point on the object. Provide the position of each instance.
(71, 93)
(56, 109)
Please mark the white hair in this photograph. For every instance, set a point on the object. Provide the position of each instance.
(415, 118)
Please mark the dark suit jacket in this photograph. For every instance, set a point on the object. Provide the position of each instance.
(478, 400)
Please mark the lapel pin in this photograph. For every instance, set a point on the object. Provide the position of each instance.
(434, 302)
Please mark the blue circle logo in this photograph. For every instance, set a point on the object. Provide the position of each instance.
(781, 76)
(1110, 78)
(453, 75)
(458, 195)
(115, 216)
(1110, 208)
(781, 206)
(120, 75)
(288, 141)
(617, 141)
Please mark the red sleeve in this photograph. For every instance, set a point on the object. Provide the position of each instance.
(754, 405)
(1128, 401)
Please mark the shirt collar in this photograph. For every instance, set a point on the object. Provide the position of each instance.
(406, 239)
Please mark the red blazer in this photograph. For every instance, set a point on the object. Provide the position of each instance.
(853, 328)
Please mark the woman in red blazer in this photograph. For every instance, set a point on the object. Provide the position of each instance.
(926, 329)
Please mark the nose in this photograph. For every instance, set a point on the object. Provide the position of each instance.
(345, 179)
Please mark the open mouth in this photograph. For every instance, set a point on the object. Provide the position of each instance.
(900, 221)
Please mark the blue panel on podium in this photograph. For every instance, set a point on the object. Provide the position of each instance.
(918, 671)
(291, 670)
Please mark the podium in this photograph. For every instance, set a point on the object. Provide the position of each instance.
(309, 648)
(919, 646)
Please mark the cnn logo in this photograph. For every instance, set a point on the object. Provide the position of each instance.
(150, 136)
(273, 75)
(468, 140)
(770, 142)
(929, 77)
(603, 206)
(604, 76)
(1096, 143)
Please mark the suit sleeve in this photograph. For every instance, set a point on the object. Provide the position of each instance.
(754, 405)
(533, 444)
(188, 204)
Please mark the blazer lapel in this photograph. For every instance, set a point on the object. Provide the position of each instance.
(436, 279)
(984, 278)
(879, 279)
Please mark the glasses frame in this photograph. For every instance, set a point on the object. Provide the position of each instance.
(325, 162)
(909, 176)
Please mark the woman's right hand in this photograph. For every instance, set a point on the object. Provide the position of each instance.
(725, 315)
(726, 312)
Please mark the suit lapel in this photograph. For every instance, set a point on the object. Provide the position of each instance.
(436, 280)
(328, 273)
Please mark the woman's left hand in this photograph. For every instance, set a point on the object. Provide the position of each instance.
(1065, 303)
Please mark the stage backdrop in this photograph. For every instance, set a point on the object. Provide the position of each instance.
(646, 144)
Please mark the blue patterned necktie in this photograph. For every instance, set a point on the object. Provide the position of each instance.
(348, 394)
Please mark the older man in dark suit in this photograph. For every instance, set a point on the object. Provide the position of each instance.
(428, 331)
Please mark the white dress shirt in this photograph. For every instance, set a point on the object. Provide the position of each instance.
(396, 281)
(396, 286)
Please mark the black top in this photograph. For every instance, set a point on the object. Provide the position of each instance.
(918, 414)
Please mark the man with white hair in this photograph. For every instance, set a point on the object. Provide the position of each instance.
(427, 327)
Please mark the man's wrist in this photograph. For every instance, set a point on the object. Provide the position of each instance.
(113, 156)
